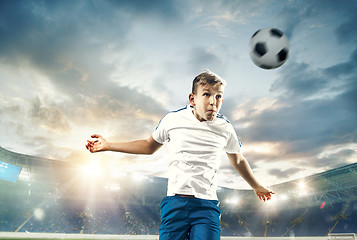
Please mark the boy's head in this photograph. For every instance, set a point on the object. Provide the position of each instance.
(207, 77)
(207, 95)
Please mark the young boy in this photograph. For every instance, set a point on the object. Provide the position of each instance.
(196, 136)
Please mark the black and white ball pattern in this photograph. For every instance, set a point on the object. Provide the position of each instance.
(269, 48)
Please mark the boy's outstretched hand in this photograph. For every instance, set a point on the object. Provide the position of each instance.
(263, 193)
(100, 144)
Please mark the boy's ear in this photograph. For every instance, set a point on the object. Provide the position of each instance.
(191, 98)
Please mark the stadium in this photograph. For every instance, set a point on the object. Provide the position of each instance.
(51, 199)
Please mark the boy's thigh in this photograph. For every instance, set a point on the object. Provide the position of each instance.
(180, 217)
(170, 235)
(205, 232)
(174, 216)
(205, 220)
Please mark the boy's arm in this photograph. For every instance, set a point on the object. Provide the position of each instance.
(148, 146)
(242, 166)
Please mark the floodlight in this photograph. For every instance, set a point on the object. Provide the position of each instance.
(302, 185)
(302, 189)
(39, 214)
(283, 197)
(232, 200)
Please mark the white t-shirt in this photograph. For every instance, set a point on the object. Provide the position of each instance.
(195, 149)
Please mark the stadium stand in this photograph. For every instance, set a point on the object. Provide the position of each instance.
(52, 197)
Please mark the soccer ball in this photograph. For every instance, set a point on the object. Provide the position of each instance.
(269, 48)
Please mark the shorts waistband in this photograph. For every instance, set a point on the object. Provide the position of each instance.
(183, 195)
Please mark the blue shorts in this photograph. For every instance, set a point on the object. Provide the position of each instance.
(189, 218)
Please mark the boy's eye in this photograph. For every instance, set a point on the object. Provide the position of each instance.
(206, 94)
(219, 96)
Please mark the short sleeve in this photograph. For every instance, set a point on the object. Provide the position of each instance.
(160, 135)
(233, 144)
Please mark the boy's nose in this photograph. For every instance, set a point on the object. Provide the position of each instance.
(212, 100)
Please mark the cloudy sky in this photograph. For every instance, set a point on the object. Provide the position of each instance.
(69, 69)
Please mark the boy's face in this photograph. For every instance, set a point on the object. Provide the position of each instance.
(207, 101)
